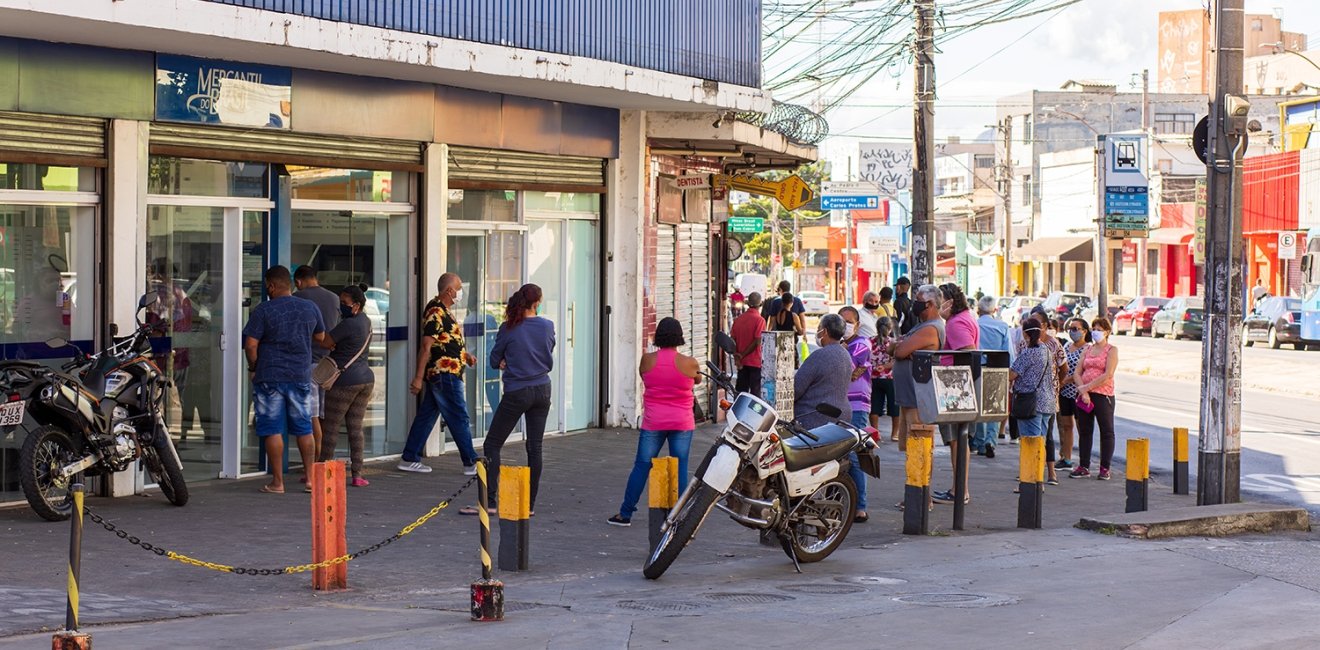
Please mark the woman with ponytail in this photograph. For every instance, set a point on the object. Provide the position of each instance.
(525, 352)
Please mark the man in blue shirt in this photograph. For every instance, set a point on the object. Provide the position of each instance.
(278, 343)
(994, 336)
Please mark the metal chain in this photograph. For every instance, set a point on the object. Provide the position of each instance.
(288, 570)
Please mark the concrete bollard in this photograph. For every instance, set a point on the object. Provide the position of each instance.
(70, 638)
(662, 493)
(1138, 474)
(916, 491)
(515, 517)
(1031, 481)
(329, 516)
(487, 593)
(1180, 481)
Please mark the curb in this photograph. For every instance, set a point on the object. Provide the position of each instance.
(1201, 521)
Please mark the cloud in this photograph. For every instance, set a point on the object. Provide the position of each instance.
(1117, 34)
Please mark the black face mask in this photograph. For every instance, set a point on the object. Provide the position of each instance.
(919, 307)
(872, 306)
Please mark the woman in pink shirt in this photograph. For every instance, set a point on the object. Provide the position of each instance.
(961, 332)
(668, 378)
(1094, 377)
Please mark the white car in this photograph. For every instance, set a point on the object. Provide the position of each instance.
(815, 302)
(1019, 307)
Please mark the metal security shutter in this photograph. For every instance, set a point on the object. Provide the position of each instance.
(272, 145)
(664, 272)
(472, 168)
(699, 325)
(33, 137)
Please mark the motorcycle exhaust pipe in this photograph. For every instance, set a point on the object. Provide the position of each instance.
(741, 518)
(756, 502)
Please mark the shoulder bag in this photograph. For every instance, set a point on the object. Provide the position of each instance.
(326, 372)
(1024, 404)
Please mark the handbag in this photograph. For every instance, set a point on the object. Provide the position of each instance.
(1024, 404)
(326, 372)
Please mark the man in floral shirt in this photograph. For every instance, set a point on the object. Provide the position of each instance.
(441, 362)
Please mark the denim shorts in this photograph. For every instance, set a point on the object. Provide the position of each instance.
(1034, 427)
(282, 406)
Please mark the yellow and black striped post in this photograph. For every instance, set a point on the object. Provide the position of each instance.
(515, 506)
(487, 593)
(1031, 481)
(1180, 482)
(916, 493)
(1138, 473)
(70, 638)
(662, 493)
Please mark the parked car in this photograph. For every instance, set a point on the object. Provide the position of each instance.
(1180, 318)
(1017, 308)
(1275, 320)
(1116, 303)
(1066, 304)
(815, 302)
(1137, 315)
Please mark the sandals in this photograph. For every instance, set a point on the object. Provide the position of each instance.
(472, 511)
(861, 518)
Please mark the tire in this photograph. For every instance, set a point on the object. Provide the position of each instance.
(684, 527)
(1136, 331)
(1155, 331)
(835, 491)
(1299, 346)
(1246, 332)
(1274, 339)
(164, 466)
(44, 449)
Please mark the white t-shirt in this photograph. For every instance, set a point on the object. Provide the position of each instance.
(866, 322)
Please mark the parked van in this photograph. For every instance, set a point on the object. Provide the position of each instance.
(749, 282)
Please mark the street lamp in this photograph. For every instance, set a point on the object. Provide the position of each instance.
(1278, 48)
(1101, 251)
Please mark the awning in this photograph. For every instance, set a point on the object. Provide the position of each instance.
(1170, 236)
(1055, 249)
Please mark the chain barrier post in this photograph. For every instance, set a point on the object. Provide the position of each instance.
(70, 638)
(515, 506)
(1031, 481)
(916, 492)
(1138, 474)
(662, 493)
(1180, 482)
(487, 593)
(329, 518)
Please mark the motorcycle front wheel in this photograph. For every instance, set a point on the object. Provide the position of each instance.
(681, 529)
(45, 451)
(164, 466)
(822, 521)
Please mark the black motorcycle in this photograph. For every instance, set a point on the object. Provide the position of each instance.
(94, 416)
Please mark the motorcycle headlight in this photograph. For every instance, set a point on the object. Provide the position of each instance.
(743, 432)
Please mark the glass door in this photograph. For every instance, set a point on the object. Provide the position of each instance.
(582, 331)
(545, 267)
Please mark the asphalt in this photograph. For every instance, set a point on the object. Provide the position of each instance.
(585, 588)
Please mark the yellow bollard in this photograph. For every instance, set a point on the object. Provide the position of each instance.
(916, 491)
(1138, 473)
(662, 492)
(1031, 479)
(515, 508)
(1181, 484)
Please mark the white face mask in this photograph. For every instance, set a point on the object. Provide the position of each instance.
(458, 297)
(1098, 336)
(819, 342)
(848, 330)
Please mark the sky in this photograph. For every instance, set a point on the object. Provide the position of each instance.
(1094, 39)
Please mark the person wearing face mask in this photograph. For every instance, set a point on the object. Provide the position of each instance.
(868, 314)
(928, 335)
(308, 287)
(346, 402)
(1094, 377)
(824, 376)
(441, 361)
(1079, 337)
(962, 332)
(907, 317)
(859, 395)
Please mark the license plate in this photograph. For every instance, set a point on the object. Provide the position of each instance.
(11, 414)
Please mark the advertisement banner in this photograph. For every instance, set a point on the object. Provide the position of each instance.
(1198, 239)
(204, 91)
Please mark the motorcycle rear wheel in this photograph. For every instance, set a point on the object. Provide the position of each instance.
(833, 504)
(165, 468)
(680, 532)
(44, 452)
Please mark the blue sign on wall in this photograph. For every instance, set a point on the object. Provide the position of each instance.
(849, 202)
(205, 91)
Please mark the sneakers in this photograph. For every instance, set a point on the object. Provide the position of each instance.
(1080, 472)
(990, 451)
(1012, 441)
(947, 497)
(1063, 464)
(469, 470)
(358, 481)
(617, 520)
(414, 466)
(1104, 474)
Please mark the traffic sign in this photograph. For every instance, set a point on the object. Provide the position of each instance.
(849, 195)
(746, 224)
(1126, 187)
(1287, 245)
(792, 192)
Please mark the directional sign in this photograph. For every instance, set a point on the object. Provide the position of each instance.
(792, 192)
(746, 224)
(849, 195)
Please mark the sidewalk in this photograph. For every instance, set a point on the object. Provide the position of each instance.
(400, 585)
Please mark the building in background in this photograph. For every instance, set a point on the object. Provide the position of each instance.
(1185, 40)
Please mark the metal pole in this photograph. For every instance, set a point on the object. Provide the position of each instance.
(1006, 189)
(1101, 245)
(848, 271)
(1145, 128)
(75, 558)
(1219, 444)
(923, 178)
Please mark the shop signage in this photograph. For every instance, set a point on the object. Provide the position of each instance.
(746, 224)
(1129, 252)
(698, 182)
(1126, 187)
(792, 192)
(206, 91)
(1287, 245)
(1198, 238)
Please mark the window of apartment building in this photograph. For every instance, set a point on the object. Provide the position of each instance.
(1257, 25)
(1026, 189)
(1164, 165)
(1175, 123)
(984, 161)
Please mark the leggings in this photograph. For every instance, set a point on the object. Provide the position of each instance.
(1104, 414)
(533, 404)
(345, 404)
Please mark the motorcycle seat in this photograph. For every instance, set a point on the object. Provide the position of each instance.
(801, 452)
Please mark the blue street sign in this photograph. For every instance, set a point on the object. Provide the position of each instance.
(849, 202)
(1127, 200)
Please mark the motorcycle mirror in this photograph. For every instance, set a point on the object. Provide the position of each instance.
(828, 410)
(57, 343)
(148, 299)
(114, 329)
(725, 342)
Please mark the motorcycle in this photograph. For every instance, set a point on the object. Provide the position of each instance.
(95, 415)
(773, 475)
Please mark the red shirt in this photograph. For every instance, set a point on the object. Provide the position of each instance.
(746, 329)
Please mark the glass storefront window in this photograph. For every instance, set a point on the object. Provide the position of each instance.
(188, 176)
(51, 178)
(321, 184)
(562, 202)
(500, 206)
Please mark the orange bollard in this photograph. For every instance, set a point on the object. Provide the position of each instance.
(329, 514)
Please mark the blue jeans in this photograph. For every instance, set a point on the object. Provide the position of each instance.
(861, 420)
(441, 397)
(648, 447)
(1035, 427)
(986, 435)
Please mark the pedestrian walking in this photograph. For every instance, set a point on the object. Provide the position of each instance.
(962, 332)
(771, 307)
(347, 400)
(859, 395)
(277, 342)
(746, 332)
(1094, 377)
(994, 336)
(882, 376)
(785, 318)
(525, 354)
(308, 287)
(908, 319)
(441, 361)
(667, 402)
(1079, 335)
(868, 314)
(1035, 400)
(927, 335)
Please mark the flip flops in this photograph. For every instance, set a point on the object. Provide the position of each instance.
(268, 490)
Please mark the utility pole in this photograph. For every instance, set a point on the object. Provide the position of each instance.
(1145, 128)
(923, 177)
(848, 271)
(1006, 193)
(1219, 444)
(1101, 237)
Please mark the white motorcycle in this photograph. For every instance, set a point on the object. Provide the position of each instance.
(773, 475)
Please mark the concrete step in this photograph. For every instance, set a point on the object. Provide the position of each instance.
(1201, 521)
